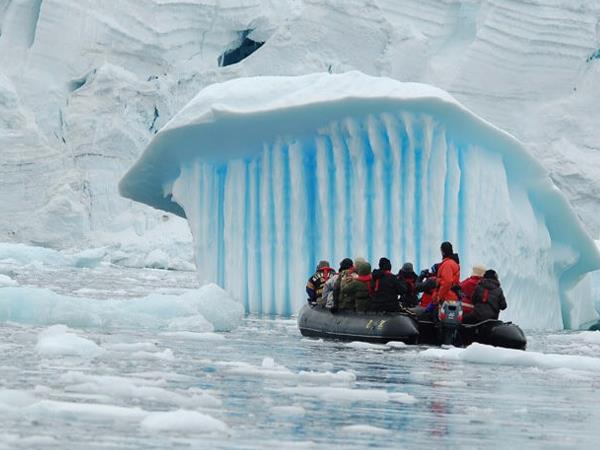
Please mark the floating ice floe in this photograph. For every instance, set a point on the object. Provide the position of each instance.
(206, 309)
(183, 421)
(350, 395)
(22, 254)
(274, 173)
(6, 281)
(270, 369)
(588, 337)
(128, 388)
(58, 340)
(485, 354)
(364, 429)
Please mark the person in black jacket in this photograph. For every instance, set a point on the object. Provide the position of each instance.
(408, 276)
(386, 288)
(488, 299)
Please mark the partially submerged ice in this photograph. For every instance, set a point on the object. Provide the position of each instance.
(275, 173)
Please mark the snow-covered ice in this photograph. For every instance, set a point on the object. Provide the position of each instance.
(275, 173)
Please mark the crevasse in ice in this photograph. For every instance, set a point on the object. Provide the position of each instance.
(275, 173)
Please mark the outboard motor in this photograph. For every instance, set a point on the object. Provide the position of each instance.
(450, 315)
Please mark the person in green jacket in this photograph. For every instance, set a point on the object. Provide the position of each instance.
(356, 293)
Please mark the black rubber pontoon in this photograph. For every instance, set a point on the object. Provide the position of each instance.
(370, 327)
(384, 327)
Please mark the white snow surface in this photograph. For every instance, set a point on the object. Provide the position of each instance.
(275, 173)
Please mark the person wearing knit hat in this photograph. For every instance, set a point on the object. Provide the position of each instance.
(409, 278)
(331, 288)
(478, 270)
(315, 284)
(356, 293)
(385, 264)
(488, 299)
(468, 286)
(387, 288)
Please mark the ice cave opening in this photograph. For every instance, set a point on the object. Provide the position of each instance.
(244, 47)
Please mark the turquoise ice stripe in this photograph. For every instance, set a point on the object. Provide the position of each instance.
(462, 246)
(387, 192)
(313, 237)
(331, 195)
(289, 266)
(221, 177)
(418, 225)
(272, 230)
(446, 227)
(369, 161)
(258, 233)
(245, 233)
(347, 173)
(404, 175)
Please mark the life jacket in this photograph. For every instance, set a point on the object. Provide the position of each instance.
(318, 280)
(426, 299)
(468, 288)
(366, 279)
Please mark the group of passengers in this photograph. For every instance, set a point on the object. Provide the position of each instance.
(354, 287)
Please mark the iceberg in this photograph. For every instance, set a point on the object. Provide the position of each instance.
(275, 173)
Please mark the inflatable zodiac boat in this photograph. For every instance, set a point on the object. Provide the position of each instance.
(315, 321)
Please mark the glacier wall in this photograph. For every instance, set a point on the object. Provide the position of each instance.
(86, 84)
(275, 173)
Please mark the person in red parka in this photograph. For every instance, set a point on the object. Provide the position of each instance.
(448, 275)
(468, 286)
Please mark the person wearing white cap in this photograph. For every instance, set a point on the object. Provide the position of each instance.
(468, 286)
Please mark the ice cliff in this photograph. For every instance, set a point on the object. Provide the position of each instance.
(274, 173)
(84, 85)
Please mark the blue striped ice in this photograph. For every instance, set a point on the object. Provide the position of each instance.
(276, 173)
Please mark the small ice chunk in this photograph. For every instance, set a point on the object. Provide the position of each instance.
(196, 323)
(133, 346)
(183, 421)
(589, 337)
(366, 346)
(165, 355)
(193, 335)
(396, 344)
(365, 429)
(340, 377)
(294, 410)
(12, 398)
(450, 383)
(350, 395)
(83, 411)
(485, 354)
(58, 340)
(6, 281)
